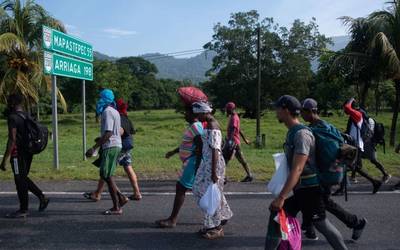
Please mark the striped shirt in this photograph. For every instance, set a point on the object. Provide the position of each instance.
(187, 145)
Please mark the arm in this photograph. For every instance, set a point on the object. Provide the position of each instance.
(103, 139)
(299, 162)
(355, 115)
(171, 153)
(244, 138)
(214, 161)
(12, 139)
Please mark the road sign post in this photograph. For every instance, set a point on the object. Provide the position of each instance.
(76, 63)
(56, 162)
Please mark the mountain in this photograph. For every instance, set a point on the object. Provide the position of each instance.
(339, 42)
(194, 68)
(99, 56)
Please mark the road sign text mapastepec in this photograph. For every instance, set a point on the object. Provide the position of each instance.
(65, 66)
(60, 42)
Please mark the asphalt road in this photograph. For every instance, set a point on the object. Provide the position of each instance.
(71, 222)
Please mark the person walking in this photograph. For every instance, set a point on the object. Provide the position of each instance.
(190, 155)
(302, 180)
(309, 112)
(110, 143)
(211, 170)
(20, 158)
(125, 157)
(365, 148)
(232, 143)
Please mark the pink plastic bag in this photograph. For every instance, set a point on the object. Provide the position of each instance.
(291, 232)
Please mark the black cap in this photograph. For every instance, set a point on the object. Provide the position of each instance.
(289, 102)
(310, 104)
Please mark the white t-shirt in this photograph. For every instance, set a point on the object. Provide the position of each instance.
(111, 121)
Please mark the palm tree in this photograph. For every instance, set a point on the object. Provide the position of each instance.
(387, 42)
(20, 42)
(359, 55)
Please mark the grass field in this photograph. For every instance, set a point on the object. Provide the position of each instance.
(159, 131)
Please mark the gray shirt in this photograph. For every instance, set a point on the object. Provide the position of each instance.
(111, 121)
(303, 144)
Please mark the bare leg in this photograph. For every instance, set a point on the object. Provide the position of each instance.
(113, 189)
(133, 180)
(178, 202)
(99, 190)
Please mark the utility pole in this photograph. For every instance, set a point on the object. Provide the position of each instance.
(258, 136)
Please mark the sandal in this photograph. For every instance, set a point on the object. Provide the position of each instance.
(91, 196)
(213, 234)
(135, 197)
(165, 224)
(112, 212)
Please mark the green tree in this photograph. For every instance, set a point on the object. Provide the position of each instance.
(138, 66)
(387, 42)
(20, 42)
(285, 60)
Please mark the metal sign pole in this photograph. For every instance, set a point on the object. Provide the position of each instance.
(55, 120)
(84, 119)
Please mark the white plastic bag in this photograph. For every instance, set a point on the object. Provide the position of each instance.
(278, 180)
(211, 199)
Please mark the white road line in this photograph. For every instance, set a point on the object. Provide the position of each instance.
(172, 193)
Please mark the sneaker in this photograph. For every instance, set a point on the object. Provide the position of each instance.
(17, 214)
(386, 178)
(248, 178)
(354, 180)
(310, 235)
(357, 230)
(44, 202)
(377, 185)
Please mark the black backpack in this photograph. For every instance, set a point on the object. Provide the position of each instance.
(379, 135)
(36, 133)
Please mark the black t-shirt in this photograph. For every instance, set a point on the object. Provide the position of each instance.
(16, 121)
(127, 125)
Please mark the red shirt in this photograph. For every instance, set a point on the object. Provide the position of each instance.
(233, 130)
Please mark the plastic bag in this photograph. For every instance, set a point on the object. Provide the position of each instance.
(278, 180)
(291, 232)
(211, 199)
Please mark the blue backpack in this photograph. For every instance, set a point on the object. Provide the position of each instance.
(328, 142)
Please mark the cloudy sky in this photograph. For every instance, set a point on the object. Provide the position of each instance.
(131, 27)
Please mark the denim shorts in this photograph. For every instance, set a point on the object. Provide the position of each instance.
(125, 158)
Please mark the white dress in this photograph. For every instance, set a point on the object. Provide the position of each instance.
(212, 139)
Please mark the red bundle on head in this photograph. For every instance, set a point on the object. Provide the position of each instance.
(122, 106)
(191, 94)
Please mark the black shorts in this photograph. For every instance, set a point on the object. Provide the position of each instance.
(309, 201)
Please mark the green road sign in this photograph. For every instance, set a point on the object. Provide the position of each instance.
(55, 40)
(59, 65)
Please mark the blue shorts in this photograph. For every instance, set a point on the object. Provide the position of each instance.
(189, 173)
(125, 158)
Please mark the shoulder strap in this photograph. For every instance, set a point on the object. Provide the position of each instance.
(292, 132)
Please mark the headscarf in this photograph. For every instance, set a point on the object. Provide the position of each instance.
(106, 99)
(201, 107)
(122, 107)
